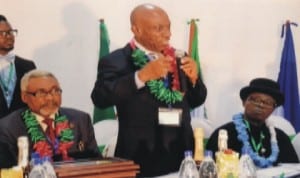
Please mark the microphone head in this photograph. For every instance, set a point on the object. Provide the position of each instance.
(180, 53)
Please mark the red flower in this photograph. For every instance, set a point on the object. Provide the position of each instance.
(169, 52)
(62, 149)
(175, 82)
(43, 148)
(61, 126)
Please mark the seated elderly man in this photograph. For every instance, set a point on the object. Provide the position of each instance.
(251, 130)
(53, 131)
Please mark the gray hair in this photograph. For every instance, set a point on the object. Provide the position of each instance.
(34, 74)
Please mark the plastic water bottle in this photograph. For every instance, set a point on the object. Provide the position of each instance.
(247, 168)
(188, 168)
(46, 163)
(208, 168)
(37, 170)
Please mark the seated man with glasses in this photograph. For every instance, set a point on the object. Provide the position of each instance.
(12, 68)
(251, 130)
(53, 131)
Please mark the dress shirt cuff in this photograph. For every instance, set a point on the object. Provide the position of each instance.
(139, 84)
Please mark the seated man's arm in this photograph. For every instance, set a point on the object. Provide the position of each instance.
(7, 159)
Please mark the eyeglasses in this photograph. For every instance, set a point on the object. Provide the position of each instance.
(12, 32)
(259, 102)
(43, 93)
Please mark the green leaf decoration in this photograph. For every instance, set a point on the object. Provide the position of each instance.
(157, 87)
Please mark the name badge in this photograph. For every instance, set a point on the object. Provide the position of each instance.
(169, 117)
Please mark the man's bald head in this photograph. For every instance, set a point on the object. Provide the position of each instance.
(142, 11)
(150, 25)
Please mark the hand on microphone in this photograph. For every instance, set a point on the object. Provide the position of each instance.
(189, 67)
(155, 69)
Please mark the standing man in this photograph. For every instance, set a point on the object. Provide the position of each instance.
(153, 94)
(53, 131)
(12, 68)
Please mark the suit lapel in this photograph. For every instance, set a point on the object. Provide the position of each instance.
(3, 101)
(19, 73)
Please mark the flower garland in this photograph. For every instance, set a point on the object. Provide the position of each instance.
(259, 161)
(157, 87)
(41, 146)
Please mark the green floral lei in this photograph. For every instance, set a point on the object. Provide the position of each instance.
(157, 87)
(64, 135)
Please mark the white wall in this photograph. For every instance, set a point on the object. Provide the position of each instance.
(238, 40)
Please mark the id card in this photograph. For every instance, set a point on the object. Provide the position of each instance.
(169, 117)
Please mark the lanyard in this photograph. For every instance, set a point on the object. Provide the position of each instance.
(5, 83)
(257, 146)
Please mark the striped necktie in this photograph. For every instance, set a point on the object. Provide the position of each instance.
(50, 131)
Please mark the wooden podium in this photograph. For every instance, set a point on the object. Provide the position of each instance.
(104, 168)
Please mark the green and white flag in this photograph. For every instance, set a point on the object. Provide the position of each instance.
(107, 113)
(199, 112)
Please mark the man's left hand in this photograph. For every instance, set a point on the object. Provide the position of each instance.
(189, 67)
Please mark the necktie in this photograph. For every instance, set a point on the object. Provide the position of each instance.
(50, 132)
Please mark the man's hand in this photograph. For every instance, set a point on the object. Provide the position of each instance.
(155, 69)
(189, 67)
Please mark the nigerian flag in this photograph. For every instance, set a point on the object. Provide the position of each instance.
(193, 44)
(200, 111)
(107, 113)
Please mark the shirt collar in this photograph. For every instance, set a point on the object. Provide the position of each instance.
(40, 119)
(10, 57)
(147, 51)
(6, 60)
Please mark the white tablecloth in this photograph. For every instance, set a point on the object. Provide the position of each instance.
(288, 170)
(285, 170)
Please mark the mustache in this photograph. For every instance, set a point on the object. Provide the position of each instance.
(50, 104)
(7, 49)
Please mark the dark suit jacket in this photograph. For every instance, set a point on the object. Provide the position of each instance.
(22, 66)
(157, 149)
(12, 126)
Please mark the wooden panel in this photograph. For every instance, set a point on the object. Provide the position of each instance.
(105, 168)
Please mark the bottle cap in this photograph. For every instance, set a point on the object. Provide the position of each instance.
(245, 150)
(188, 153)
(35, 155)
(37, 161)
(228, 151)
(47, 158)
(208, 153)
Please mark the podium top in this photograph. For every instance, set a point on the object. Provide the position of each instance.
(101, 168)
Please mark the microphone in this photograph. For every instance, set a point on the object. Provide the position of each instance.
(179, 54)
